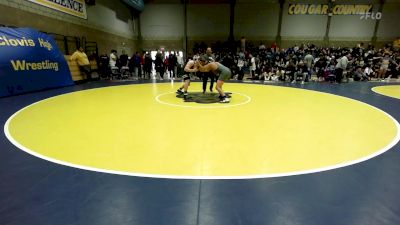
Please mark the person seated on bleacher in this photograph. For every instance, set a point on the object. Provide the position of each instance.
(273, 75)
(82, 60)
(330, 71)
(290, 70)
(302, 70)
(369, 72)
(320, 65)
(359, 74)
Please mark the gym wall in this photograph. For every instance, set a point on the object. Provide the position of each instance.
(162, 25)
(114, 29)
(207, 23)
(389, 28)
(257, 20)
(302, 28)
(112, 26)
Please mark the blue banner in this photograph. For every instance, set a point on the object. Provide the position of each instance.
(30, 61)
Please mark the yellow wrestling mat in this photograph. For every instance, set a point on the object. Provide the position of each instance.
(145, 130)
(388, 90)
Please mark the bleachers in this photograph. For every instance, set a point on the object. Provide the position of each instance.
(76, 74)
(74, 69)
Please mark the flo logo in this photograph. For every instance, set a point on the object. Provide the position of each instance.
(371, 16)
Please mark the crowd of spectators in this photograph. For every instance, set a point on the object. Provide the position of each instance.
(300, 63)
(141, 66)
(303, 62)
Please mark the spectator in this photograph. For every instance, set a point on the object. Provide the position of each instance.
(103, 65)
(113, 58)
(159, 64)
(123, 59)
(180, 63)
(262, 46)
(359, 75)
(135, 65)
(302, 70)
(252, 66)
(172, 63)
(291, 70)
(320, 66)
(240, 66)
(369, 72)
(385, 62)
(148, 64)
(309, 61)
(341, 67)
(82, 60)
(166, 66)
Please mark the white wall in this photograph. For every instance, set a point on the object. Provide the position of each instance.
(206, 21)
(162, 22)
(256, 20)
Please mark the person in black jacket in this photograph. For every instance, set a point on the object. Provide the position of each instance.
(148, 64)
(211, 58)
(172, 63)
(159, 64)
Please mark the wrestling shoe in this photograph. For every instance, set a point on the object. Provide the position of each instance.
(224, 100)
(179, 92)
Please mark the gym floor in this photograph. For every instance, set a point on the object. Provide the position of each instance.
(133, 153)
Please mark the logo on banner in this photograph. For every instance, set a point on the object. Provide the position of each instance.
(20, 65)
(372, 16)
(72, 7)
(323, 9)
(30, 61)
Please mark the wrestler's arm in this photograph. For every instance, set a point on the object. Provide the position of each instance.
(190, 67)
(205, 68)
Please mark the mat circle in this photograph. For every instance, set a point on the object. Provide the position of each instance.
(124, 130)
(388, 90)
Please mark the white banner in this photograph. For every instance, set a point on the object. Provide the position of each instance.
(72, 7)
